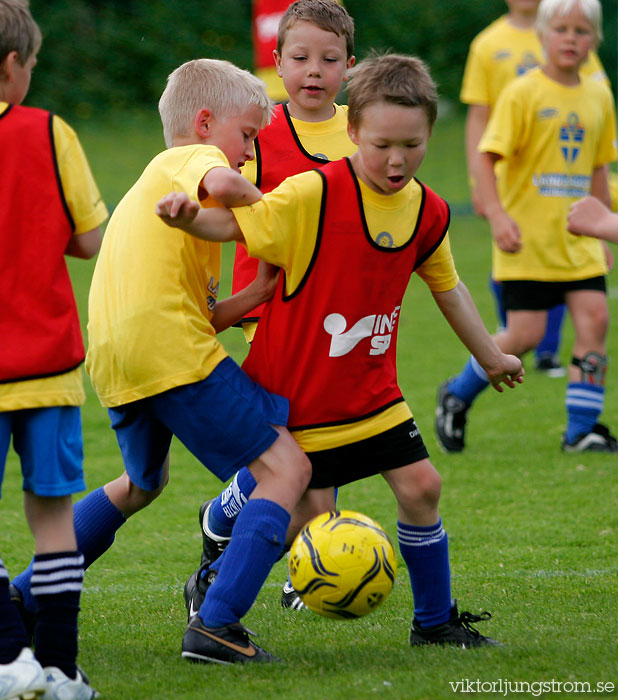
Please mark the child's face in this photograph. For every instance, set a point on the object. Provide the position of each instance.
(523, 7)
(235, 134)
(16, 83)
(312, 64)
(392, 141)
(567, 40)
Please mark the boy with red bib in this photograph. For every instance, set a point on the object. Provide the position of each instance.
(314, 51)
(327, 340)
(49, 207)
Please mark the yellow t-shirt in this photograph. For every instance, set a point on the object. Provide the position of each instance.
(282, 227)
(551, 137)
(88, 211)
(501, 53)
(154, 289)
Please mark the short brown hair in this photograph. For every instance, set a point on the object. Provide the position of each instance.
(326, 14)
(18, 30)
(394, 78)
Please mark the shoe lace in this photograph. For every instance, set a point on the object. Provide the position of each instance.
(466, 619)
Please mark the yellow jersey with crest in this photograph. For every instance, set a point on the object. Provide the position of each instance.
(154, 288)
(551, 137)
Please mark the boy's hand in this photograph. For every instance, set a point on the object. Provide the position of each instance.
(506, 233)
(177, 210)
(266, 280)
(510, 372)
(585, 215)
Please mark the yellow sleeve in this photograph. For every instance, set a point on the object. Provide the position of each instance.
(504, 129)
(282, 227)
(474, 87)
(606, 153)
(438, 271)
(80, 190)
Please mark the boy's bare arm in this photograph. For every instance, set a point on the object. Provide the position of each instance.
(214, 224)
(230, 188)
(504, 230)
(231, 310)
(476, 121)
(84, 245)
(590, 217)
(460, 311)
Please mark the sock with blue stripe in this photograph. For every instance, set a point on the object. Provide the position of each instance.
(470, 382)
(96, 520)
(584, 405)
(57, 580)
(225, 508)
(425, 552)
(551, 340)
(12, 632)
(257, 541)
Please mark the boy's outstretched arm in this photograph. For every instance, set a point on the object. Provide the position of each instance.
(216, 224)
(460, 311)
(590, 217)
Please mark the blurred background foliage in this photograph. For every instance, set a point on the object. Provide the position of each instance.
(99, 57)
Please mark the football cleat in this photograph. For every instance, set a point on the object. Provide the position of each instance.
(195, 589)
(549, 366)
(457, 631)
(450, 421)
(212, 545)
(28, 617)
(61, 687)
(23, 678)
(599, 439)
(290, 598)
(221, 645)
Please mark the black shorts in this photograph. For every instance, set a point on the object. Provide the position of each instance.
(531, 295)
(391, 449)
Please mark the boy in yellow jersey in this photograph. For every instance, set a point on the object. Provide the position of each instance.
(155, 361)
(503, 51)
(315, 46)
(50, 207)
(553, 133)
(348, 236)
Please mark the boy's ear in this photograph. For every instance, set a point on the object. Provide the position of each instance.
(7, 66)
(277, 59)
(352, 134)
(203, 123)
(348, 65)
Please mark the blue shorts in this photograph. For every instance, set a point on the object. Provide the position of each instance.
(225, 420)
(49, 444)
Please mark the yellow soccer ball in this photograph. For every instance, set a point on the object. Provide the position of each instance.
(342, 565)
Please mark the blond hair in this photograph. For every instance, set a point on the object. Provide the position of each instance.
(591, 10)
(205, 83)
(393, 78)
(325, 14)
(18, 30)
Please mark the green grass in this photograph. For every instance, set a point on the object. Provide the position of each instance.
(533, 532)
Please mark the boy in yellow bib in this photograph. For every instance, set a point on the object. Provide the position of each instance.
(553, 133)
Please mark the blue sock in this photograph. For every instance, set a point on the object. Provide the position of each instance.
(96, 520)
(425, 552)
(225, 508)
(550, 344)
(257, 541)
(470, 382)
(496, 289)
(57, 580)
(584, 405)
(12, 632)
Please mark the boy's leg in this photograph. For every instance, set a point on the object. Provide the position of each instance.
(546, 352)
(282, 473)
(455, 396)
(424, 547)
(586, 388)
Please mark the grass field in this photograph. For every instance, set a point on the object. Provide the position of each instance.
(533, 532)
